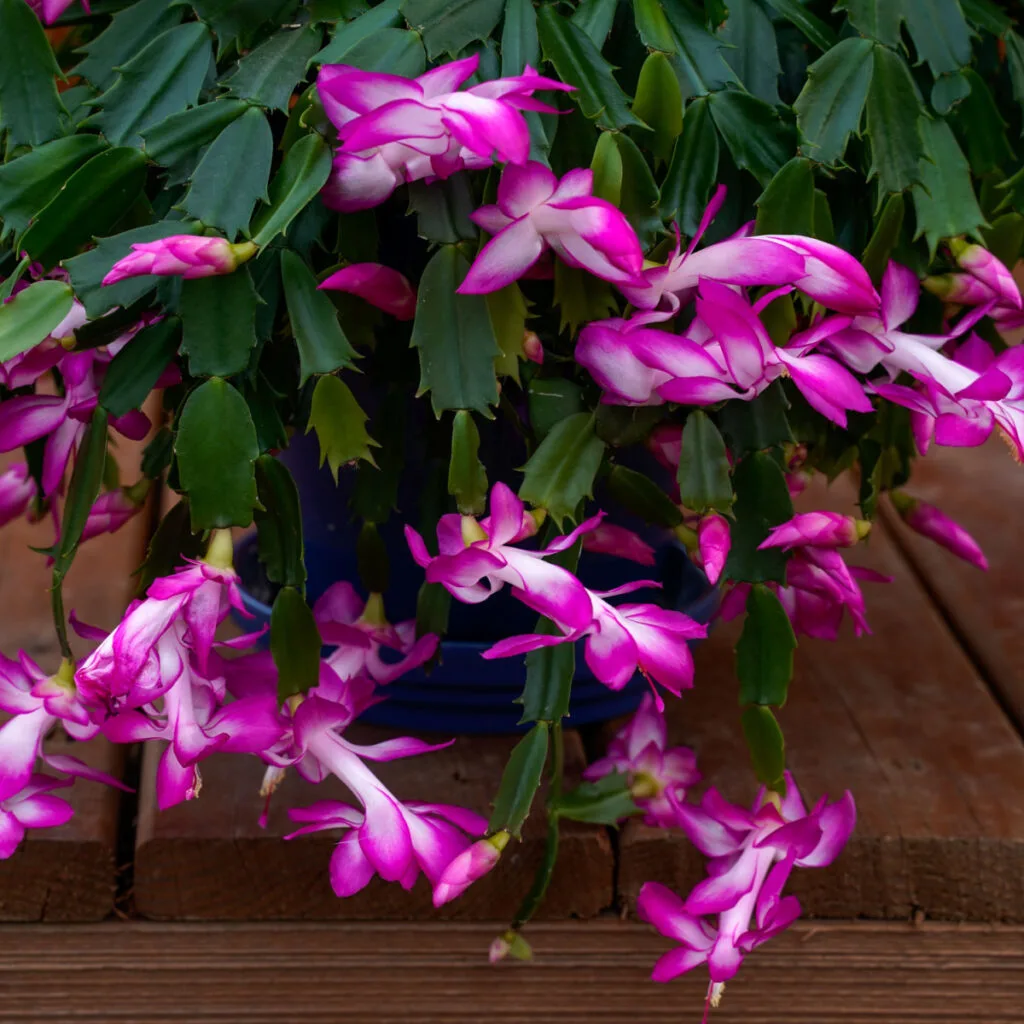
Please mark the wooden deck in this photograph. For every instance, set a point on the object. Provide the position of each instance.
(922, 721)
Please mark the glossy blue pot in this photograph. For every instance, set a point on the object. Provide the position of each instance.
(463, 694)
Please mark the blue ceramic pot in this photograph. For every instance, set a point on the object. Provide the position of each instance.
(462, 694)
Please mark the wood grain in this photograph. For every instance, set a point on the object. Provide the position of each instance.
(66, 873)
(208, 859)
(598, 971)
(902, 719)
(982, 489)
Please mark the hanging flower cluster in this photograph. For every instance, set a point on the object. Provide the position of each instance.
(670, 396)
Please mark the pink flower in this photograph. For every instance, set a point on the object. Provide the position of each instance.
(822, 271)
(381, 286)
(37, 702)
(608, 539)
(62, 419)
(621, 641)
(395, 130)
(535, 211)
(817, 529)
(751, 855)
(147, 653)
(186, 256)
(714, 541)
(725, 353)
(478, 558)
(50, 10)
(473, 863)
(934, 524)
(819, 588)
(386, 837)
(32, 807)
(358, 631)
(17, 492)
(658, 775)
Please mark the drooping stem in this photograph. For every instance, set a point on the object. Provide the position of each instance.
(59, 620)
(542, 879)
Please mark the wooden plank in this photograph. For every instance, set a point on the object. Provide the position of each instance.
(983, 490)
(66, 873)
(437, 974)
(208, 859)
(900, 718)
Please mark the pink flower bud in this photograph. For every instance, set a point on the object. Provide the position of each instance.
(817, 529)
(187, 256)
(112, 510)
(962, 289)
(666, 444)
(714, 541)
(934, 524)
(474, 862)
(17, 489)
(532, 348)
(609, 539)
(977, 260)
(48, 11)
(381, 286)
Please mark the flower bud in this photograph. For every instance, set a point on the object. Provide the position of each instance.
(187, 256)
(714, 541)
(934, 524)
(17, 489)
(474, 862)
(979, 262)
(532, 348)
(818, 530)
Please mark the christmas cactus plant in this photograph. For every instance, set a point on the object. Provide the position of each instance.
(686, 254)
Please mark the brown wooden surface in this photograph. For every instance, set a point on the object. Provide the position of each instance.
(982, 489)
(66, 873)
(902, 719)
(208, 859)
(598, 971)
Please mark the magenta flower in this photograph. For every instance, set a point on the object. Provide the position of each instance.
(17, 492)
(186, 256)
(725, 353)
(144, 656)
(817, 529)
(608, 539)
(934, 524)
(621, 641)
(37, 702)
(751, 855)
(535, 211)
(473, 863)
(386, 837)
(381, 286)
(532, 348)
(477, 558)
(62, 419)
(358, 631)
(714, 541)
(395, 130)
(32, 806)
(50, 10)
(822, 271)
(659, 775)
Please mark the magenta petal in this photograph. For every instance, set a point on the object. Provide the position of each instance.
(350, 869)
(504, 259)
(677, 961)
(381, 286)
(659, 906)
(384, 836)
(521, 188)
(43, 811)
(837, 823)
